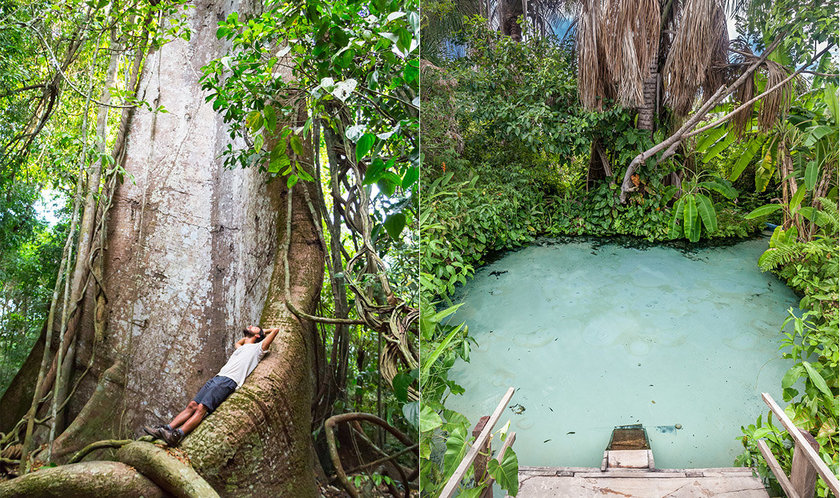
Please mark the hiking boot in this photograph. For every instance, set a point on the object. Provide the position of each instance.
(173, 438)
(156, 431)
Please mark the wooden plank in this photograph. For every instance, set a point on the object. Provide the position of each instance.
(814, 458)
(455, 480)
(776, 469)
(632, 474)
(803, 476)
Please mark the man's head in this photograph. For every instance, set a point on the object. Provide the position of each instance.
(253, 333)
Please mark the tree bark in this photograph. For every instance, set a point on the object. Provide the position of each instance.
(82, 480)
(193, 255)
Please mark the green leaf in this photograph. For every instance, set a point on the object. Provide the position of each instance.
(812, 172)
(750, 152)
(456, 448)
(296, 144)
(692, 228)
(763, 211)
(710, 137)
(411, 411)
(411, 176)
(718, 147)
(817, 379)
(797, 199)
(720, 188)
(401, 382)
(675, 228)
(270, 118)
(292, 180)
(707, 213)
(278, 159)
(254, 121)
(258, 142)
(816, 133)
(374, 171)
(506, 473)
(364, 145)
(394, 225)
(338, 37)
(791, 376)
(429, 419)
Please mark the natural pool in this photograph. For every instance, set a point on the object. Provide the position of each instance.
(596, 334)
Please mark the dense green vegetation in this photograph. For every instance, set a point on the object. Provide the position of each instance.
(511, 154)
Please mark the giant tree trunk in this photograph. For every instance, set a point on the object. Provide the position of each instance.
(192, 256)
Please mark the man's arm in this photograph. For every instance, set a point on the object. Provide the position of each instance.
(270, 334)
(239, 343)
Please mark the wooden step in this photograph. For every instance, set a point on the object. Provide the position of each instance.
(584, 482)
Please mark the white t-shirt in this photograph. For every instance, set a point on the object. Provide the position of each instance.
(242, 362)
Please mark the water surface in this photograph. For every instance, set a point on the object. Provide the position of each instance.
(595, 335)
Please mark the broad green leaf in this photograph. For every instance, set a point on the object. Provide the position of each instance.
(374, 171)
(676, 229)
(792, 375)
(816, 133)
(411, 411)
(830, 99)
(278, 159)
(718, 147)
(707, 213)
(400, 384)
(293, 179)
(797, 199)
(297, 145)
(429, 419)
(270, 118)
(506, 473)
(258, 142)
(456, 448)
(812, 172)
(710, 137)
(690, 217)
(394, 225)
(429, 360)
(817, 379)
(763, 211)
(364, 145)
(411, 176)
(721, 188)
(254, 121)
(752, 148)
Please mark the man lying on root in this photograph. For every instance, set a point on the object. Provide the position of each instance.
(249, 351)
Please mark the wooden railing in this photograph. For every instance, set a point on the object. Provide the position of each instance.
(481, 445)
(806, 459)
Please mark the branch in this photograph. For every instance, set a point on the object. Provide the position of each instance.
(106, 443)
(672, 141)
(754, 99)
(55, 63)
(22, 89)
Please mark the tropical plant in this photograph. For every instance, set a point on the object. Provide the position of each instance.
(811, 384)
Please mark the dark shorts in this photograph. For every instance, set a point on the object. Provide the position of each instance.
(214, 392)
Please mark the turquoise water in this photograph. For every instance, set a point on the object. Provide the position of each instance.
(596, 335)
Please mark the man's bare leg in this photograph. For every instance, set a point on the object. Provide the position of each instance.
(194, 420)
(185, 415)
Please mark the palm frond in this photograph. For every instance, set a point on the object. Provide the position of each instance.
(697, 53)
